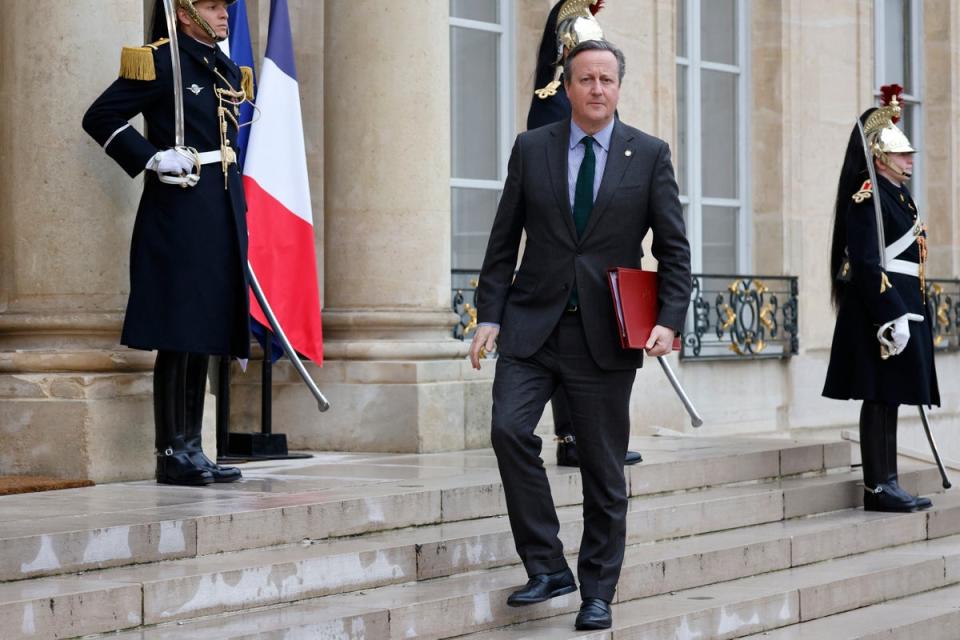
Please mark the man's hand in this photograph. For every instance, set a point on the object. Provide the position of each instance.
(170, 161)
(484, 341)
(660, 342)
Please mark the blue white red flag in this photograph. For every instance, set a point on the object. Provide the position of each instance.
(240, 50)
(279, 211)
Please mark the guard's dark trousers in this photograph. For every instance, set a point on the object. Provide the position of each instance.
(599, 405)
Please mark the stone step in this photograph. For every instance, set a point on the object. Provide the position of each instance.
(473, 601)
(63, 532)
(759, 604)
(932, 615)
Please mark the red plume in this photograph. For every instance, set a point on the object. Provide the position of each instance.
(887, 93)
(596, 7)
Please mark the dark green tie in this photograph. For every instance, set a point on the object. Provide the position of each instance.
(583, 194)
(583, 199)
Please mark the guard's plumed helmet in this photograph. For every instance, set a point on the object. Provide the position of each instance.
(575, 24)
(881, 129)
(160, 24)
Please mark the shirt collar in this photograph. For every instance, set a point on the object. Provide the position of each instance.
(602, 137)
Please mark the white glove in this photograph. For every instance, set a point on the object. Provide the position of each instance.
(170, 161)
(899, 333)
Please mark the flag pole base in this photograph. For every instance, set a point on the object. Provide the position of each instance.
(260, 446)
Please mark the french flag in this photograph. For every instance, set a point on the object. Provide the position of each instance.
(239, 48)
(279, 213)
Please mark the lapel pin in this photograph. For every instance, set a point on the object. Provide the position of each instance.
(628, 153)
(194, 89)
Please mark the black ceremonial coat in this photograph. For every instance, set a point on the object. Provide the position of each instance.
(856, 370)
(188, 289)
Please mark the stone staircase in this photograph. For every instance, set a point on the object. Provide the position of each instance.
(727, 537)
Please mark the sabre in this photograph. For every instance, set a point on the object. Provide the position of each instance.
(933, 448)
(881, 240)
(191, 179)
(322, 403)
(695, 418)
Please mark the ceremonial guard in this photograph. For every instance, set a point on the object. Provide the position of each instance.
(569, 23)
(188, 289)
(882, 349)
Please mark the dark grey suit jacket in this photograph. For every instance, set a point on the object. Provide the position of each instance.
(638, 192)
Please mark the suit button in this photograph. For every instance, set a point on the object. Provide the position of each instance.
(565, 286)
(579, 254)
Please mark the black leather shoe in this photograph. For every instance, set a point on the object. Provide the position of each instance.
(884, 498)
(633, 457)
(176, 467)
(594, 614)
(220, 474)
(543, 586)
(906, 496)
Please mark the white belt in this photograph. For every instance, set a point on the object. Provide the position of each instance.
(905, 267)
(902, 243)
(210, 157)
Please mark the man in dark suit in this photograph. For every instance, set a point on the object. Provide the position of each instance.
(549, 104)
(585, 191)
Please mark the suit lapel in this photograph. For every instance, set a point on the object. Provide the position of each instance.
(617, 163)
(557, 152)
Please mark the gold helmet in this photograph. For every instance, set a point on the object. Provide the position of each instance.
(881, 131)
(187, 5)
(575, 24)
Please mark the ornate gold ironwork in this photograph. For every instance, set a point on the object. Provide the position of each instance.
(734, 317)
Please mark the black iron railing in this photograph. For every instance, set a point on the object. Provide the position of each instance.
(738, 317)
(730, 318)
(465, 301)
(943, 296)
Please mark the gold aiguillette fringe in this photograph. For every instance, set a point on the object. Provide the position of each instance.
(246, 82)
(136, 63)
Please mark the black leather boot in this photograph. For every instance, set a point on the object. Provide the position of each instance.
(890, 440)
(174, 465)
(196, 388)
(880, 489)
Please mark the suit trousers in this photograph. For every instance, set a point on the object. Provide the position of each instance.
(599, 405)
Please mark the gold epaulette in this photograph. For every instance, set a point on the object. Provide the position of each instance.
(246, 81)
(865, 193)
(136, 63)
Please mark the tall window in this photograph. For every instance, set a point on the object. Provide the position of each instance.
(897, 44)
(712, 152)
(482, 103)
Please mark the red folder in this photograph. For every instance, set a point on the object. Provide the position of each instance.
(635, 305)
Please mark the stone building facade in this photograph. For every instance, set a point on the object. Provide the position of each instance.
(409, 110)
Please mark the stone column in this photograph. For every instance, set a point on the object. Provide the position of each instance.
(72, 401)
(388, 180)
(395, 376)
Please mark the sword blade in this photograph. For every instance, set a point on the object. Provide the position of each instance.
(695, 418)
(881, 240)
(170, 12)
(322, 403)
(933, 448)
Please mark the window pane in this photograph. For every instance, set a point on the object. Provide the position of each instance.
(718, 31)
(681, 18)
(475, 99)
(680, 153)
(719, 154)
(895, 46)
(473, 213)
(484, 10)
(719, 240)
